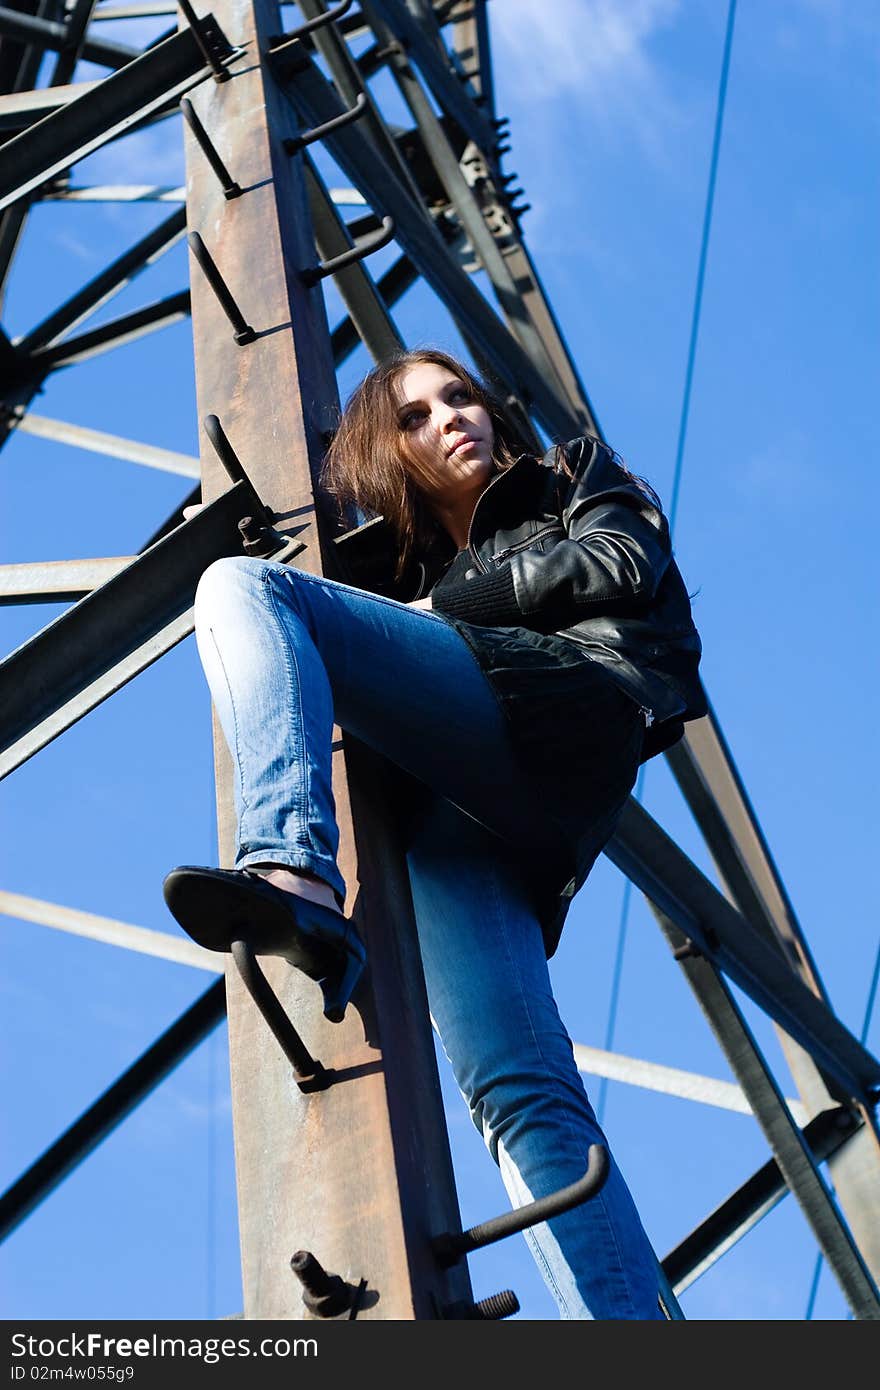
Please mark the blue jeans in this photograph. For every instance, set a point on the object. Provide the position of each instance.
(286, 655)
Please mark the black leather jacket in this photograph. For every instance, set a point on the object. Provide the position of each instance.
(571, 544)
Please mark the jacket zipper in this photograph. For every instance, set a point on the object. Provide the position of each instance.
(481, 567)
(530, 540)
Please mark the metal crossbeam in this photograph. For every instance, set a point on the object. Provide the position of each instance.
(791, 1150)
(45, 33)
(673, 885)
(828, 1135)
(417, 235)
(99, 290)
(65, 136)
(114, 633)
(111, 1108)
(108, 930)
(100, 442)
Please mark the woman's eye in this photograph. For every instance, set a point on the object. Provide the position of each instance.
(408, 421)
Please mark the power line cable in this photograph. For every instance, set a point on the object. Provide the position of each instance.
(676, 486)
(701, 271)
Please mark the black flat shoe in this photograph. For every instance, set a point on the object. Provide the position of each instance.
(218, 906)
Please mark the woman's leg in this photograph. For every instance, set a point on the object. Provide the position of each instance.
(287, 654)
(492, 1004)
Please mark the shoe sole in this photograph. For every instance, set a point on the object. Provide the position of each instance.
(216, 907)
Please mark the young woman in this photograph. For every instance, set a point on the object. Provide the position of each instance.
(524, 643)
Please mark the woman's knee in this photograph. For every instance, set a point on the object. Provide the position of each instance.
(225, 582)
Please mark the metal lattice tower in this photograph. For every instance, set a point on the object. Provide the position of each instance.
(259, 109)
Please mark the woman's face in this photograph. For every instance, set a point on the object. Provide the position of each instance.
(445, 434)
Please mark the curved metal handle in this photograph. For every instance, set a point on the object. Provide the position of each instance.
(224, 450)
(450, 1247)
(296, 142)
(357, 253)
(243, 333)
(310, 1074)
(329, 17)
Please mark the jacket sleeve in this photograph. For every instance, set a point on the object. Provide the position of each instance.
(611, 557)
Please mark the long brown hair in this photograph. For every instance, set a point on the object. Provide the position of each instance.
(365, 464)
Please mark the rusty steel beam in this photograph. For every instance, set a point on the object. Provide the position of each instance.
(360, 1173)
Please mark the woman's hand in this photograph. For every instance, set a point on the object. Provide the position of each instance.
(421, 603)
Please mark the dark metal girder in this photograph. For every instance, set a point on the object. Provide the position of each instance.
(76, 42)
(45, 33)
(487, 241)
(675, 886)
(109, 282)
(470, 44)
(793, 1154)
(367, 311)
(449, 93)
(17, 74)
(397, 279)
(707, 775)
(14, 54)
(18, 110)
(704, 769)
(111, 1108)
(86, 654)
(169, 69)
(350, 84)
(739, 1213)
(112, 334)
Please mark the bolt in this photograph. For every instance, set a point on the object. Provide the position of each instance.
(325, 1295)
(497, 1305)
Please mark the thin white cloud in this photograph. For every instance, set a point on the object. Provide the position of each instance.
(153, 155)
(593, 56)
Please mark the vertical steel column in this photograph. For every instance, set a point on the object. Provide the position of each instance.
(358, 1174)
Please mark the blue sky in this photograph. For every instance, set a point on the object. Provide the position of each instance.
(611, 106)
